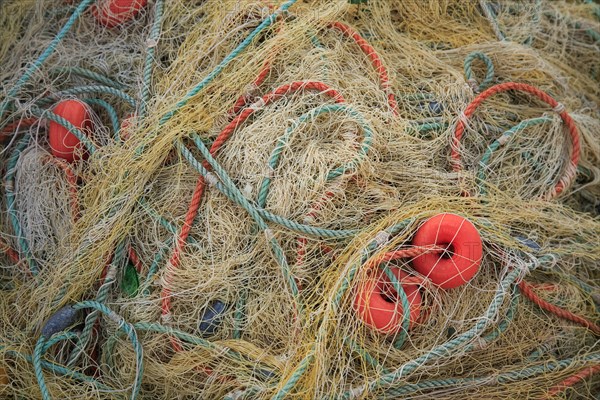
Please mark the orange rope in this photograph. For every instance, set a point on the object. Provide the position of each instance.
(571, 169)
(375, 60)
(527, 290)
(572, 380)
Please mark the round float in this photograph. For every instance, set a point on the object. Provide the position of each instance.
(460, 262)
(378, 305)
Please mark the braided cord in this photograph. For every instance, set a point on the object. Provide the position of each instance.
(489, 72)
(154, 35)
(86, 73)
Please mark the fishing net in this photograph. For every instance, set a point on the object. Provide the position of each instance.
(257, 191)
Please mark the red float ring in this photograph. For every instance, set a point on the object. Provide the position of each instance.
(111, 13)
(460, 238)
(63, 144)
(376, 308)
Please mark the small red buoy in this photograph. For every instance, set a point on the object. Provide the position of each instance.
(377, 303)
(63, 143)
(461, 260)
(111, 13)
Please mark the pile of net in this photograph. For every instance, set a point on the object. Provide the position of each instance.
(310, 199)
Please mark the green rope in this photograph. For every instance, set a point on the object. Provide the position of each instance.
(183, 336)
(485, 159)
(86, 73)
(9, 185)
(86, 90)
(336, 303)
(296, 375)
(291, 225)
(245, 203)
(492, 19)
(219, 68)
(154, 35)
(38, 112)
(505, 377)
(101, 297)
(45, 54)
(60, 370)
(283, 141)
(131, 334)
(358, 349)
(112, 114)
(489, 73)
(403, 302)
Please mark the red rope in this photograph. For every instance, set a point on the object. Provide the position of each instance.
(572, 380)
(571, 169)
(527, 290)
(375, 60)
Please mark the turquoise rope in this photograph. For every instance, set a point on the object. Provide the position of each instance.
(154, 35)
(9, 184)
(112, 114)
(245, 203)
(291, 225)
(86, 73)
(131, 334)
(86, 90)
(291, 382)
(489, 73)
(485, 159)
(405, 306)
(505, 377)
(358, 349)
(37, 366)
(283, 141)
(60, 370)
(38, 112)
(42, 58)
(186, 337)
(230, 57)
(336, 303)
(101, 297)
(222, 65)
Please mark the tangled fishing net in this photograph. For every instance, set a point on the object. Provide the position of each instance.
(264, 198)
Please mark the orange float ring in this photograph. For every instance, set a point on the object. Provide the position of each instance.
(111, 13)
(460, 262)
(63, 143)
(377, 305)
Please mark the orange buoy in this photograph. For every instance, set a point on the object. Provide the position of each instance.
(63, 143)
(111, 13)
(460, 262)
(377, 303)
